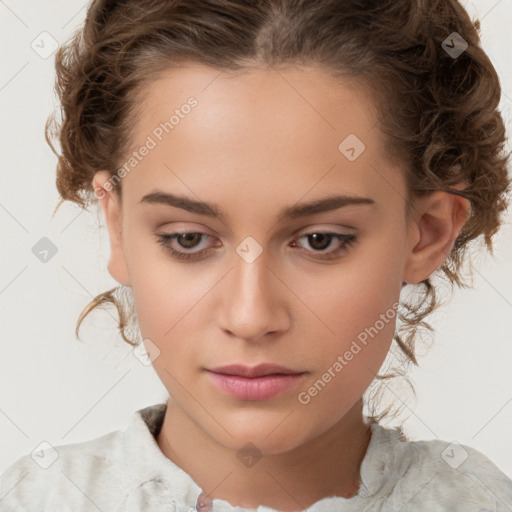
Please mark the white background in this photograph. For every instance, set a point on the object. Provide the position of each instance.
(57, 389)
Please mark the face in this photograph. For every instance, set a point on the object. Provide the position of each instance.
(314, 290)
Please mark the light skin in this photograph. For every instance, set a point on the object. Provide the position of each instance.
(257, 142)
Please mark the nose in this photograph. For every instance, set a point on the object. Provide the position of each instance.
(254, 303)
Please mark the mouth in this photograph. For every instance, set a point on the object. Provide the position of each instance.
(255, 383)
(262, 370)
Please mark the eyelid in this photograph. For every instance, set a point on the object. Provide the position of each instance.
(313, 228)
(185, 227)
(317, 228)
(347, 241)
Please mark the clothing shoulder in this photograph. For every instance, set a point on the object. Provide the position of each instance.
(60, 478)
(451, 476)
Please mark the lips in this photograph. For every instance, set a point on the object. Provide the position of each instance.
(256, 371)
(256, 383)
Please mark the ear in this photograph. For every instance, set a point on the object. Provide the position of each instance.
(436, 223)
(111, 206)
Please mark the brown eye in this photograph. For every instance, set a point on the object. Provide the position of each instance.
(320, 241)
(188, 240)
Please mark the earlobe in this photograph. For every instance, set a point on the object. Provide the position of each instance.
(111, 207)
(439, 218)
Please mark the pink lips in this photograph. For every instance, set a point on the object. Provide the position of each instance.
(260, 382)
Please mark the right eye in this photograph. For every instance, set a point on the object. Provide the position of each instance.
(186, 240)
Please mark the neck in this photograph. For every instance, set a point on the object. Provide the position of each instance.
(328, 465)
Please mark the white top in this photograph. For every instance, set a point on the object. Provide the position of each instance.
(126, 471)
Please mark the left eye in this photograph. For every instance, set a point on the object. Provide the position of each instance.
(322, 240)
(318, 240)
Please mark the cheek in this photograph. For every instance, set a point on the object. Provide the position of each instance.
(162, 291)
(353, 295)
(171, 301)
(347, 361)
(358, 304)
(165, 316)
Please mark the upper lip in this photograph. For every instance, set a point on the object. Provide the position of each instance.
(254, 371)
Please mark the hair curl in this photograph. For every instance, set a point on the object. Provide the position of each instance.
(440, 113)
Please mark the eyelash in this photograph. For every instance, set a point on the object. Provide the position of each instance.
(164, 240)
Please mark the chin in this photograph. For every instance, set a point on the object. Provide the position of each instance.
(269, 438)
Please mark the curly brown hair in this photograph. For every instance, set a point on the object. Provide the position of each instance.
(439, 110)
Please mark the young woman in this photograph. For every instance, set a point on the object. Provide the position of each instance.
(275, 176)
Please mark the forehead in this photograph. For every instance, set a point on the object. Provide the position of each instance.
(263, 101)
(276, 132)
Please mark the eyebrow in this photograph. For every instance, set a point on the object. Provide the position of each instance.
(291, 212)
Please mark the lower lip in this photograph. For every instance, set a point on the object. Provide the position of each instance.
(256, 388)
